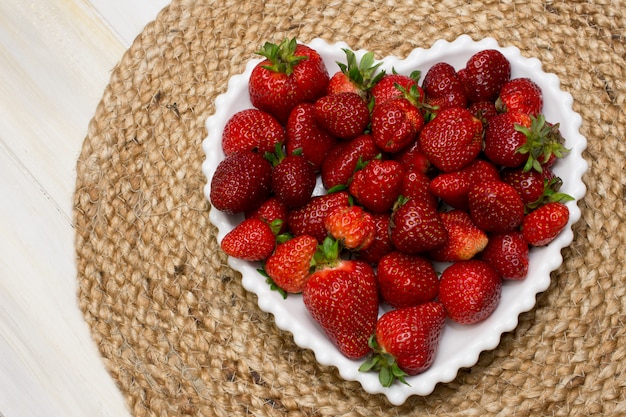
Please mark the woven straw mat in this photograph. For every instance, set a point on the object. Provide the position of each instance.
(177, 331)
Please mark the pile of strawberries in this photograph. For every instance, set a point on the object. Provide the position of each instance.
(450, 172)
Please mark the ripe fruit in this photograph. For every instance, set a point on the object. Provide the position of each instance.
(452, 139)
(304, 134)
(241, 182)
(309, 219)
(273, 212)
(343, 115)
(470, 291)
(291, 74)
(250, 240)
(387, 87)
(484, 74)
(507, 253)
(355, 76)
(395, 124)
(381, 245)
(416, 186)
(252, 130)
(352, 226)
(521, 95)
(465, 239)
(406, 280)
(293, 179)
(416, 227)
(342, 298)
(343, 160)
(289, 266)
(443, 88)
(406, 342)
(495, 206)
(503, 139)
(541, 226)
(377, 186)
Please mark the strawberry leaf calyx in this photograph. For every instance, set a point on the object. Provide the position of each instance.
(550, 194)
(272, 284)
(327, 252)
(383, 363)
(364, 73)
(543, 141)
(282, 56)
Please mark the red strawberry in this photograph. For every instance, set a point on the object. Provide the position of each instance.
(289, 266)
(502, 139)
(465, 239)
(291, 74)
(352, 226)
(406, 342)
(252, 130)
(309, 219)
(452, 139)
(342, 161)
(484, 75)
(483, 110)
(355, 76)
(495, 206)
(529, 184)
(377, 186)
(387, 87)
(416, 227)
(342, 298)
(521, 95)
(470, 291)
(406, 280)
(544, 143)
(241, 182)
(443, 88)
(507, 253)
(293, 178)
(416, 186)
(250, 240)
(413, 157)
(273, 212)
(305, 134)
(381, 245)
(453, 187)
(395, 124)
(541, 226)
(343, 115)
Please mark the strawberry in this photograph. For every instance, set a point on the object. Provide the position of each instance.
(252, 130)
(381, 245)
(484, 74)
(521, 95)
(303, 132)
(544, 143)
(443, 88)
(377, 186)
(541, 226)
(413, 157)
(406, 342)
(250, 240)
(395, 124)
(495, 206)
(483, 110)
(344, 158)
(387, 86)
(503, 139)
(535, 188)
(406, 280)
(291, 73)
(416, 227)
(309, 219)
(470, 291)
(416, 186)
(355, 76)
(342, 297)
(293, 178)
(289, 266)
(343, 115)
(507, 253)
(273, 212)
(453, 187)
(465, 239)
(241, 182)
(452, 139)
(352, 226)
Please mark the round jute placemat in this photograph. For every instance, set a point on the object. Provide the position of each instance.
(176, 330)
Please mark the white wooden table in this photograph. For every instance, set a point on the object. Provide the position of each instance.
(56, 57)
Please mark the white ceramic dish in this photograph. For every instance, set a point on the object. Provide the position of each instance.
(460, 345)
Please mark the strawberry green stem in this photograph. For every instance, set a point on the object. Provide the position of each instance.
(282, 56)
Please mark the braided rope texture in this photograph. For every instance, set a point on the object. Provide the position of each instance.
(176, 330)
